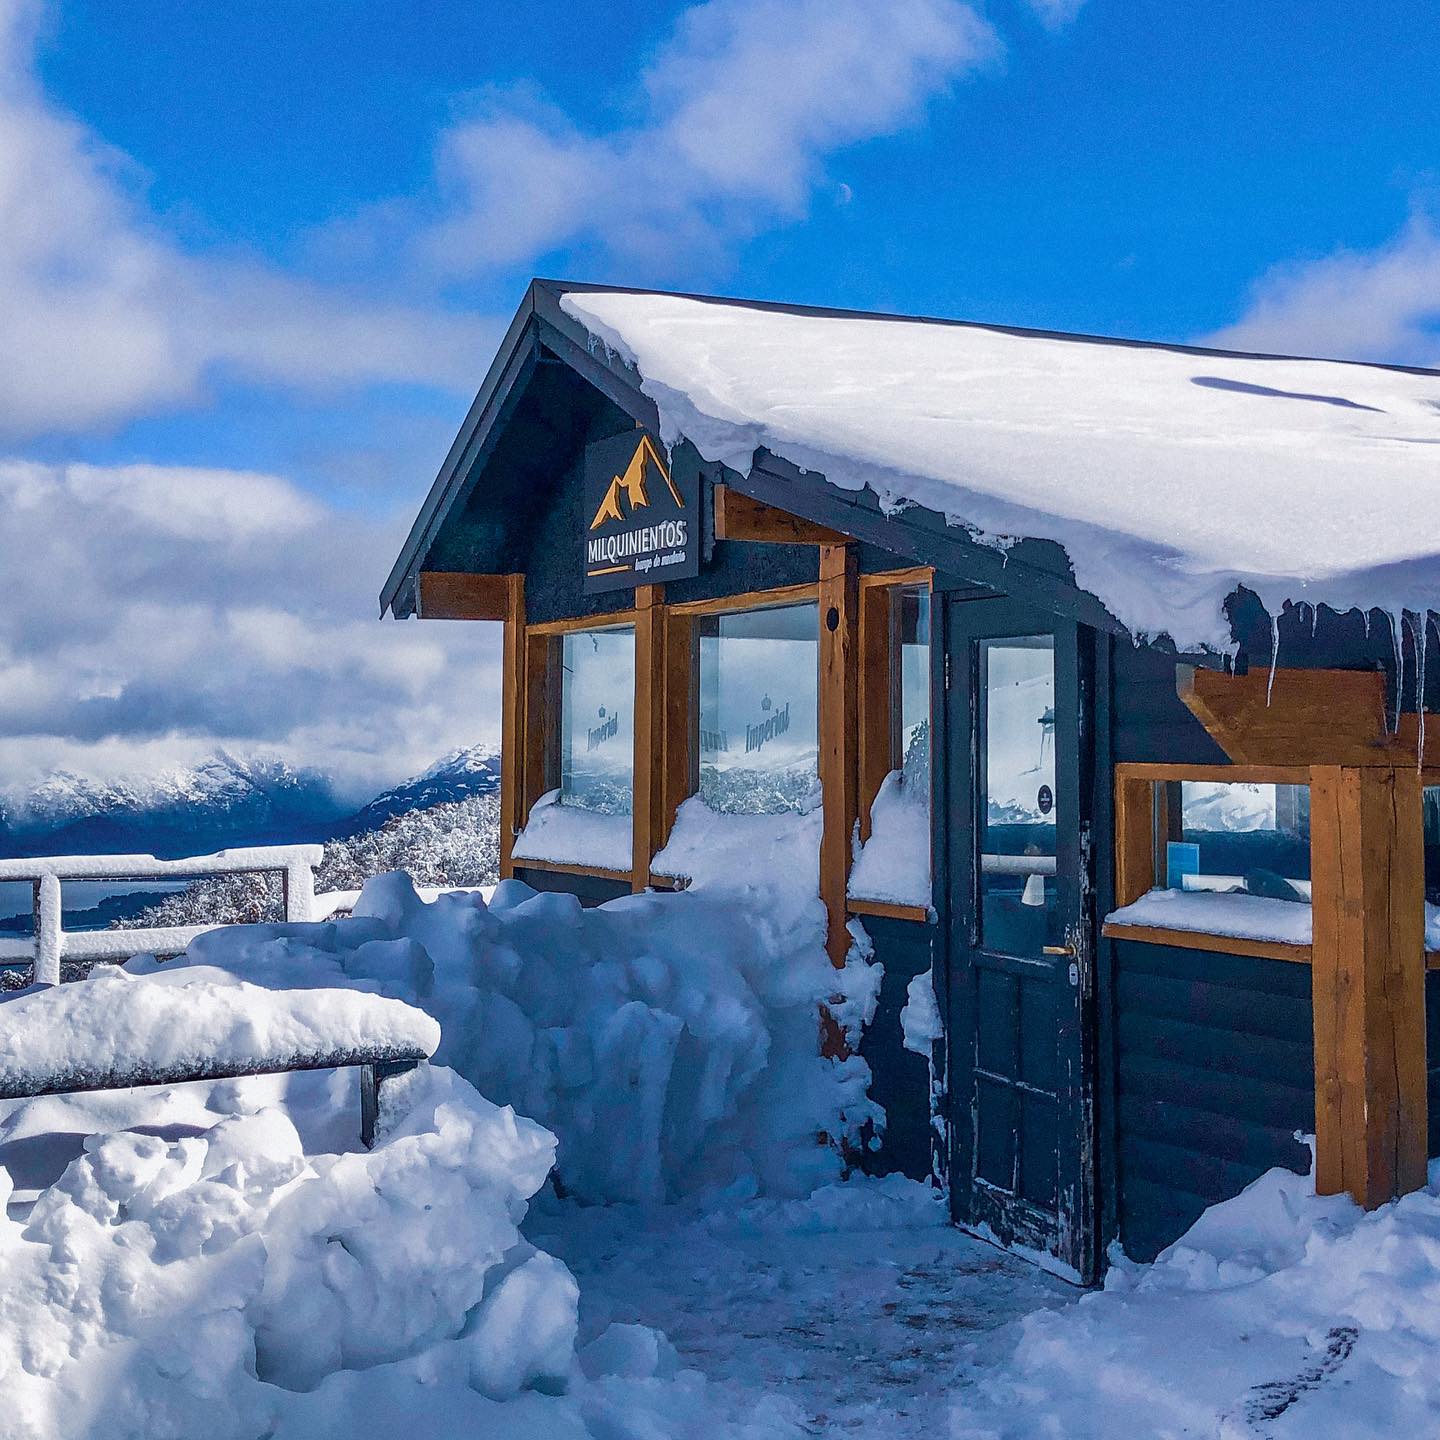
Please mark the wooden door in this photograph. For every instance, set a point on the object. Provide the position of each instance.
(1013, 826)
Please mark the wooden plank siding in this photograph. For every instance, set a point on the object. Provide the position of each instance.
(1213, 1078)
(901, 1084)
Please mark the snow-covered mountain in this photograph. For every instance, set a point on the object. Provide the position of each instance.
(227, 800)
(474, 770)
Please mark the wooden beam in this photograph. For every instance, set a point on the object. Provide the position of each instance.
(604, 621)
(910, 575)
(561, 867)
(738, 517)
(888, 910)
(747, 600)
(512, 723)
(1290, 717)
(1226, 774)
(879, 695)
(648, 789)
(839, 620)
(1206, 940)
(459, 595)
(1368, 981)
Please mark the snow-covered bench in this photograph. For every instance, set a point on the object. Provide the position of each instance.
(116, 1030)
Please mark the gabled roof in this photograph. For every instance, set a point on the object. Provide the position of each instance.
(1170, 474)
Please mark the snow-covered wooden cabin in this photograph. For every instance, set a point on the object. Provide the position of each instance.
(1106, 661)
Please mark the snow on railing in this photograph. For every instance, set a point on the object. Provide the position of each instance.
(50, 944)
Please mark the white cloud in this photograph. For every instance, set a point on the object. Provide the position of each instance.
(103, 316)
(154, 614)
(1381, 304)
(740, 109)
(1055, 13)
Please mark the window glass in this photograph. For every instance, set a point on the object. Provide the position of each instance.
(597, 713)
(1432, 848)
(758, 735)
(1016, 821)
(1233, 838)
(913, 604)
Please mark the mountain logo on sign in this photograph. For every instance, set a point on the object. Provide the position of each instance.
(628, 492)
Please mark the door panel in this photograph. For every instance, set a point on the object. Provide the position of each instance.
(1019, 931)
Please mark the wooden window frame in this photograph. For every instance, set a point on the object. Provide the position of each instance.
(1135, 853)
(1135, 820)
(532, 688)
(675, 775)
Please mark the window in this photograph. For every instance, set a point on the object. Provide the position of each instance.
(893, 863)
(912, 606)
(585, 680)
(1197, 853)
(1015, 826)
(1232, 839)
(597, 716)
(757, 728)
(1431, 814)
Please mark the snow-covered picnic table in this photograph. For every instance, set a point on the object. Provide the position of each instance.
(197, 1022)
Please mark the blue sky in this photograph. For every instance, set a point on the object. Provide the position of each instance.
(280, 239)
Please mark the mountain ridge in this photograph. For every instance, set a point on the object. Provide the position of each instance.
(223, 802)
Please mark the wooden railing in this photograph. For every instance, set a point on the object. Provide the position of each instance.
(51, 943)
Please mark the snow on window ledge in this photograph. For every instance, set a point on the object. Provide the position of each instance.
(1238, 916)
(893, 866)
(572, 835)
(710, 847)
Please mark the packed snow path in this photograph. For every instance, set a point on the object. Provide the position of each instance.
(854, 1331)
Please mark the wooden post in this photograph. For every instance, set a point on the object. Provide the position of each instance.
(839, 606)
(1368, 981)
(512, 723)
(649, 782)
(1134, 838)
(879, 694)
(680, 777)
(540, 697)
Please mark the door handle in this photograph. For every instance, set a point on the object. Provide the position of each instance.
(1064, 950)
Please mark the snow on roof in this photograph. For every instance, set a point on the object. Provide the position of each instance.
(1170, 475)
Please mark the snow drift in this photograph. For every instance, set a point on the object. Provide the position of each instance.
(180, 1287)
(669, 1041)
(1280, 1313)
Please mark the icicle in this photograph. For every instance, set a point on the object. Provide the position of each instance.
(1274, 656)
(1397, 640)
(1422, 649)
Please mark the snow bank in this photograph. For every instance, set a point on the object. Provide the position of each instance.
(1169, 475)
(117, 1025)
(219, 1278)
(669, 1041)
(1279, 1313)
(171, 1288)
(893, 865)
